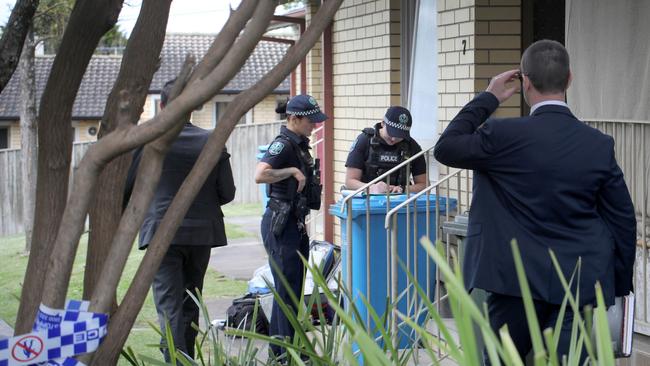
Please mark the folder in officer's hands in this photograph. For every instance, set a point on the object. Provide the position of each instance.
(621, 325)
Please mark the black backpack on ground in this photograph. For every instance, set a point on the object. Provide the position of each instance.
(240, 315)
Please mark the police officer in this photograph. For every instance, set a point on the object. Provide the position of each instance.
(293, 189)
(381, 148)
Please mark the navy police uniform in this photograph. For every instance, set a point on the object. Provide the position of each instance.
(283, 228)
(374, 156)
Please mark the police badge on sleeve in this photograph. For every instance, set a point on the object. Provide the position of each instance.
(276, 148)
(354, 144)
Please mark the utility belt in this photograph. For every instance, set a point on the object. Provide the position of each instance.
(299, 206)
(282, 211)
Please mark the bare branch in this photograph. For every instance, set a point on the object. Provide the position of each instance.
(89, 20)
(104, 150)
(224, 39)
(137, 207)
(13, 38)
(139, 63)
(126, 313)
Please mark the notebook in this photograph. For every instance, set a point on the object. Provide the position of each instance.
(621, 325)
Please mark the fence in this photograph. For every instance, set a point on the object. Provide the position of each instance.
(633, 157)
(242, 145)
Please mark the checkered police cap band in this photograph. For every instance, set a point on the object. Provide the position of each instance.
(305, 113)
(399, 126)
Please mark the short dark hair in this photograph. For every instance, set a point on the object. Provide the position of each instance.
(546, 64)
(166, 90)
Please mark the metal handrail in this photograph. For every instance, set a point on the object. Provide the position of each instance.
(392, 228)
(417, 195)
(381, 177)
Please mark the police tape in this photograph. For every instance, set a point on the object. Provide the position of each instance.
(57, 336)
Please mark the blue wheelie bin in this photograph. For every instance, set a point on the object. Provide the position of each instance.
(261, 151)
(371, 264)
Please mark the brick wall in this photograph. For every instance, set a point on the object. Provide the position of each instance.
(477, 39)
(498, 46)
(366, 60)
(314, 58)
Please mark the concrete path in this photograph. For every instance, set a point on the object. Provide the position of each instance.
(238, 260)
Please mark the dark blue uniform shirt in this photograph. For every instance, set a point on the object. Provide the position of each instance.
(360, 150)
(281, 154)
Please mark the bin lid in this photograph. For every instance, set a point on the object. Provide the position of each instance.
(378, 203)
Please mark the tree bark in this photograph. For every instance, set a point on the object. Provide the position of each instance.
(134, 213)
(28, 134)
(13, 38)
(61, 259)
(139, 63)
(89, 20)
(123, 319)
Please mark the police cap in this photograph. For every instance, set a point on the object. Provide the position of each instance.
(304, 105)
(398, 122)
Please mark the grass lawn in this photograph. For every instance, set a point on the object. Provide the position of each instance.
(14, 261)
(244, 209)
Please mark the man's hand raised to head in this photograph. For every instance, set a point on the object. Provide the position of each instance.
(501, 86)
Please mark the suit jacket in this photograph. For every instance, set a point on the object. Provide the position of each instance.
(551, 182)
(203, 223)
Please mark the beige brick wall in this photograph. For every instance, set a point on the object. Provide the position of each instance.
(498, 46)
(477, 39)
(314, 59)
(366, 59)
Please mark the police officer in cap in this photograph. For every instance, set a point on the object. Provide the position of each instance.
(293, 189)
(381, 148)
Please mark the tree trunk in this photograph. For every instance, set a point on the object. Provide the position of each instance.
(123, 236)
(28, 134)
(123, 319)
(89, 20)
(13, 38)
(139, 62)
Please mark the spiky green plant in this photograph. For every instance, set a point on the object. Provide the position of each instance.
(348, 341)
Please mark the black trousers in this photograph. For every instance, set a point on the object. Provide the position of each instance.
(285, 251)
(509, 310)
(182, 268)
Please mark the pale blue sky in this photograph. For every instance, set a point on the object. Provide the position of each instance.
(186, 16)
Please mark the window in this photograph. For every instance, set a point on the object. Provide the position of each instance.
(4, 138)
(220, 109)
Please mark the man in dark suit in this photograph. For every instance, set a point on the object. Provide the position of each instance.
(549, 181)
(186, 260)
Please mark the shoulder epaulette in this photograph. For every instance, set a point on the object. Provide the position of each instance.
(369, 131)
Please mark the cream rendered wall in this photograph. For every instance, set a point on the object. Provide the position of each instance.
(82, 130)
(264, 111)
(14, 135)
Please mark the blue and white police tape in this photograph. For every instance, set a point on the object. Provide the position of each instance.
(57, 336)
